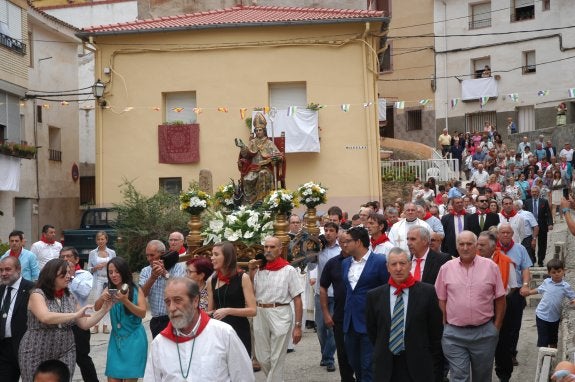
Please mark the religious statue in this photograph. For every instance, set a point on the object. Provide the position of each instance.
(257, 162)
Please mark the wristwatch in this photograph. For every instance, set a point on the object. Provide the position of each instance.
(298, 324)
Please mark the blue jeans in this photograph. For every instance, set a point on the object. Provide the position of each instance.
(325, 334)
(359, 353)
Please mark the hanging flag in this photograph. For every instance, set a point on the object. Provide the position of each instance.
(345, 107)
(197, 110)
(542, 93)
(571, 93)
(129, 108)
(156, 108)
(266, 109)
(64, 103)
(223, 109)
(484, 100)
(454, 102)
(513, 97)
(367, 104)
(46, 106)
(400, 105)
(178, 109)
(424, 101)
(243, 112)
(291, 111)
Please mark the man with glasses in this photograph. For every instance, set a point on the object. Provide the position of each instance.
(435, 241)
(294, 225)
(398, 233)
(482, 219)
(362, 271)
(176, 242)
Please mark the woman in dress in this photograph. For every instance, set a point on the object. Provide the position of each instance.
(230, 293)
(512, 190)
(52, 311)
(524, 187)
(493, 184)
(557, 192)
(200, 269)
(128, 345)
(97, 261)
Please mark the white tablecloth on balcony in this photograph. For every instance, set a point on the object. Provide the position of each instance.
(9, 173)
(477, 88)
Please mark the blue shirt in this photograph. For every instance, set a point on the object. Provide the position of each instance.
(549, 308)
(156, 295)
(521, 259)
(454, 193)
(322, 259)
(29, 264)
(529, 222)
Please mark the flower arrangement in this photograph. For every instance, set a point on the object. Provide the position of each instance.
(245, 224)
(225, 196)
(281, 201)
(20, 150)
(194, 201)
(312, 194)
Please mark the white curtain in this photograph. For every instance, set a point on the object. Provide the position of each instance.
(382, 109)
(9, 173)
(480, 87)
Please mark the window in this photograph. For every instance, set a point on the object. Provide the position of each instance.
(476, 121)
(478, 66)
(2, 133)
(87, 190)
(529, 65)
(11, 26)
(39, 113)
(384, 57)
(545, 5)
(414, 119)
(171, 185)
(54, 142)
(480, 15)
(526, 118)
(180, 107)
(522, 10)
(380, 5)
(288, 94)
(10, 117)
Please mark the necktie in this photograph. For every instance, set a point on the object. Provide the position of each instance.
(396, 332)
(481, 221)
(535, 208)
(4, 311)
(417, 272)
(459, 224)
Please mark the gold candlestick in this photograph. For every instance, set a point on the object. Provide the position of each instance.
(194, 238)
(311, 222)
(280, 230)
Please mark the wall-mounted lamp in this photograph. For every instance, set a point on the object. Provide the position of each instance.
(98, 91)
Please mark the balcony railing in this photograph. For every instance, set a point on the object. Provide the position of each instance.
(12, 44)
(55, 155)
(476, 24)
(408, 170)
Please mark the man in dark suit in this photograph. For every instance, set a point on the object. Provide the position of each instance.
(425, 263)
(406, 349)
(14, 294)
(361, 272)
(539, 207)
(482, 219)
(550, 150)
(453, 224)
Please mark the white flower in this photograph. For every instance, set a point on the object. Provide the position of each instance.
(235, 236)
(228, 202)
(267, 215)
(248, 235)
(227, 233)
(252, 221)
(269, 225)
(216, 225)
(231, 219)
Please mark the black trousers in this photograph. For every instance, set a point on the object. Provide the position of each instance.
(542, 245)
(400, 369)
(83, 359)
(157, 324)
(527, 244)
(516, 303)
(9, 368)
(345, 370)
(504, 352)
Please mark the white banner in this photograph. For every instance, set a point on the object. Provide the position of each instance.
(10, 170)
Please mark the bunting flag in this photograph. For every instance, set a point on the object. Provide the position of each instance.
(454, 102)
(484, 100)
(571, 93)
(266, 109)
(129, 108)
(223, 109)
(243, 113)
(46, 106)
(345, 107)
(178, 109)
(542, 93)
(513, 97)
(64, 103)
(400, 105)
(156, 108)
(197, 110)
(424, 101)
(291, 111)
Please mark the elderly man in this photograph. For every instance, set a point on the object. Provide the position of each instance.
(453, 224)
(364, 213)
(153, 280)
(176, 242)
(276, 284)
(28, 261)
(220, 354)
(425, 214)
(516, 300)
(425, 263)
(80, 286)
(14, 294)
(435, 241)
(472, 299)
(542, 212)
(509, 215)
(47, 248)
(404, 324)
(530, 229)
(487, 247)
(480, 177)
(398, 233)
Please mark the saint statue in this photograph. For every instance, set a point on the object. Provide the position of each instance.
(257, 162)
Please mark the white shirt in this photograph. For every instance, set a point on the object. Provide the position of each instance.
(14, 293)
(81, 286)
(518, 226)
(217, 354)
(45, 252)
(480, 178)
(568, 154)
(421, 265)
(398, 233)
(356, 268)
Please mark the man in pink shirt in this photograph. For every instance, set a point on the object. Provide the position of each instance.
(472, 298)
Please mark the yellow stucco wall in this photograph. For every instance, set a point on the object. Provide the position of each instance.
(223, 71)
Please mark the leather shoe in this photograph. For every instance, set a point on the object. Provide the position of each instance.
(256, 365)
(330, 367)
(514, 360)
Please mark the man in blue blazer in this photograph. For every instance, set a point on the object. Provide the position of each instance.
(362, 271)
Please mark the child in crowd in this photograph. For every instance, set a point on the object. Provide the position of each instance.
(548, 313)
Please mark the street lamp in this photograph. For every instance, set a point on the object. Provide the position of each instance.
(98, 91)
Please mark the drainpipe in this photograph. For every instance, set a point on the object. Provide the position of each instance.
(445, 66)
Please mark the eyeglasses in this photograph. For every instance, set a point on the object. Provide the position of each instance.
(345, 242)
(188, 272)
(482, 200)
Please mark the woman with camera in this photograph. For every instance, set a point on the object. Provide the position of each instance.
(128, 345)
(97, 261)
(53, 311)
(231, 296)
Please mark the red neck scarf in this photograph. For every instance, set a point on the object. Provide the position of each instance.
(223, 278)
(59, 293)
(427, 215)
(276, 265)
(505, 248)
(460, 213)
(182, 250)
(508, 216)
(170, 334)
(45, 240)
(77, 267)
(14, 254)
(380, 240)
(404, 285)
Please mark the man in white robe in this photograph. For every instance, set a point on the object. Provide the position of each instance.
(398, 233)
(195, 347)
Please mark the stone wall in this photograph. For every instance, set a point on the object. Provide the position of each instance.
(427, 135)
(559, 135)
(391, 190)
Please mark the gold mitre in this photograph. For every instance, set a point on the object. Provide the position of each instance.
(260, 121)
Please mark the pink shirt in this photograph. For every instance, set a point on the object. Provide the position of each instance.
(470, 291)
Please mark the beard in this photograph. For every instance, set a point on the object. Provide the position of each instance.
(181, 319)
(10, 280)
